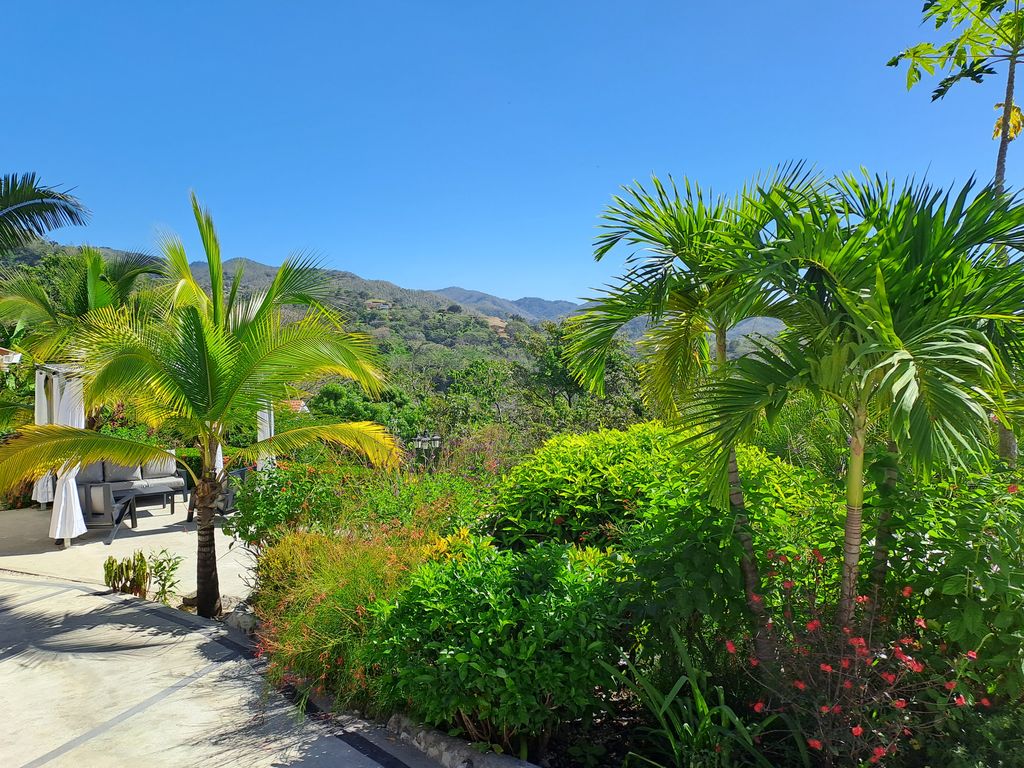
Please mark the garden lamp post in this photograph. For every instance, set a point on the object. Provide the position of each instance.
(427, 446)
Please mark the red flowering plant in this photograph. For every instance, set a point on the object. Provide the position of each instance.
(855, 693)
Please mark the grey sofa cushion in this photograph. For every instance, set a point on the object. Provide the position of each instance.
(116, 473)
(91, 473)
(141, 486)
(159, 468)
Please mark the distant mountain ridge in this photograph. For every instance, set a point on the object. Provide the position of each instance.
(529, 307)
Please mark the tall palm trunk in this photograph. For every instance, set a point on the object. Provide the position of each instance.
(1007, 440)
(209, 491)
(741, 527)
(883, 530)
(854, 517)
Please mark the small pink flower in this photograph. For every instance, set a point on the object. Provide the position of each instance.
(972, 655)
(857, 730)
(730, 646)
(826, 668)
(921, 623)
(759, 707)
(985, 702)
(900, 704)
(908, 591)
(787, 584)
(814, 744)
(813, 625)
(960, 700)
(800, 685)
(1012, 488)
(862, 599)
(949, 685)
(889, 677)
(754, 661)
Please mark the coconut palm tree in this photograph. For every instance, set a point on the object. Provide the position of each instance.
(29, 210)
(885, 293)
(209, 364)
(683, 283)
(82, 281)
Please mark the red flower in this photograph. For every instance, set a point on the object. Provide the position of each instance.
(559, 520)
(857, 642)
(908, 591)
(972, 655)
(889, 677)
(826, 668)
(787, 584)
(759, 707)
(770, 554)
(730, 646)
(836, 709)
(900, 704)
(847, 684)
(825, 709)
(960, 700)
(783, 559)
(915, 666)
(921, 623)
(814, 744)
(950, 685)
(1012, 488)
(985, 702)
(862, 599)
(753, 661)
(845, 663)
(878, 752)
(800, 685)
(857, 730)
(813, 625)
(756, 599)
(818, 556)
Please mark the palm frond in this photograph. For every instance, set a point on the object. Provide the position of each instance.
(29, 210)
(362, 437)
(37, 450)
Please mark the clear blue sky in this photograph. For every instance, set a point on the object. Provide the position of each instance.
(466, 143)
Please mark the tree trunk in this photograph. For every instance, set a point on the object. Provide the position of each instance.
(1004, 136)
(854, 518)
(1007, 440)
(210, 489)
(883, 531)
(741, 527)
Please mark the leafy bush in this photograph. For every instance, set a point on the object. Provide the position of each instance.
(590, 488)
(329, 498)
(503, 646)
(958, 546)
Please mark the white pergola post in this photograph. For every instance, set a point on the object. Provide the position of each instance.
(264, 430)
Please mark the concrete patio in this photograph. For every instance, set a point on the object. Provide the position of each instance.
(90, 679)
(26, 547)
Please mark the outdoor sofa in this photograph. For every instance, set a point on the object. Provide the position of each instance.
(157, 474)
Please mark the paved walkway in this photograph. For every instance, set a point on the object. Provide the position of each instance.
(25, 546)
(89, 679)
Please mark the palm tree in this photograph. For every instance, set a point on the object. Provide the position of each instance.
(82, 281)
(884, 294)
(209, 364)
(684, 284)
(29, 210)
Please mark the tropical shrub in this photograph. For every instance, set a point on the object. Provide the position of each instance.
(332, 497)
(958, 545)
(163, 569)
(129, 575)
(313, 596)
(502, 646)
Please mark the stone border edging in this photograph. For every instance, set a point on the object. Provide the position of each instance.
(449, 751)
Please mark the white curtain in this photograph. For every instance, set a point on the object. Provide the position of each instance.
(265, 429)
(66, 521)
(42, 491)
